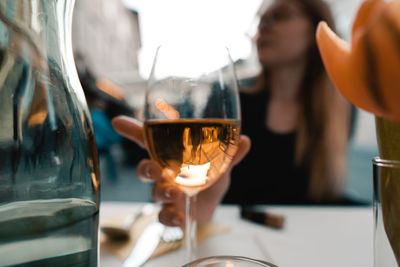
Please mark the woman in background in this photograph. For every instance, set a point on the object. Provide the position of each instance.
(297, 123)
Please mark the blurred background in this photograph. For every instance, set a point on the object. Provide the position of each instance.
(114, 45)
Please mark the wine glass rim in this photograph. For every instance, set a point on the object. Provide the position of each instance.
(386, 162)
(235, 258)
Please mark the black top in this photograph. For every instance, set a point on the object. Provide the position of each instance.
(269, 173)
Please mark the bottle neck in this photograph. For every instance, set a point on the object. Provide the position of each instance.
(35, 30)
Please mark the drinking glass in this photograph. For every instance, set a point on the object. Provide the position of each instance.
(192, 118)
(386, 212)
(231, 261)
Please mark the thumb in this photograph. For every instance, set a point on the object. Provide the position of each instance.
(129, 128)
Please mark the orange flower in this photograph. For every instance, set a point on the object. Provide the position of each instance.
(367, 71)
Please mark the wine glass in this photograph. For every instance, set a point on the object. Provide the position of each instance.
(232, 261)
(192, 118)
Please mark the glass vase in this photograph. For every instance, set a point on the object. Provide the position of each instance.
(386, 174)
(49, 179)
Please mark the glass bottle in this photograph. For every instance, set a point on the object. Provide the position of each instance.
(49, 179)
(386, 212)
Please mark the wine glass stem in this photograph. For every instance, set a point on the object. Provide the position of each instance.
(190, 228)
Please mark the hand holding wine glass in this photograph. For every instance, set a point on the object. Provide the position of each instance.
(192, 120)
(168, 194)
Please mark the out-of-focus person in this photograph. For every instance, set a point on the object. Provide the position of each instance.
(298, 123)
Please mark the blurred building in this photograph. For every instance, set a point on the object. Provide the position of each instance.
(106, 37)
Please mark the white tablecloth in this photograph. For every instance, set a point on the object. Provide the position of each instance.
(311, 237)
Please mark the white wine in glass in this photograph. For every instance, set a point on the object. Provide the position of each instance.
(192, 118)
(197, 150)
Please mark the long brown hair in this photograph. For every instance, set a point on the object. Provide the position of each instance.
(315, 107)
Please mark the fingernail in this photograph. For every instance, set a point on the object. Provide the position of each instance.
(146, 180)
(146, 175)
(147, 171)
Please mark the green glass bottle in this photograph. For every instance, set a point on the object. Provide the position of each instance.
(49, 178)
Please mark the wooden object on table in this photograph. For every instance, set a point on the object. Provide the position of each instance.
(122, 248)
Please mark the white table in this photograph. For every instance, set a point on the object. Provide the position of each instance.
(312, 237)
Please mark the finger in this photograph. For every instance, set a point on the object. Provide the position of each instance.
(148, 170)
(171, 216)
(129, 128)
(166, 192)
(244, 148)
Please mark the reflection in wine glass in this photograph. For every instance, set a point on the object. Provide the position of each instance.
(192, 119)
